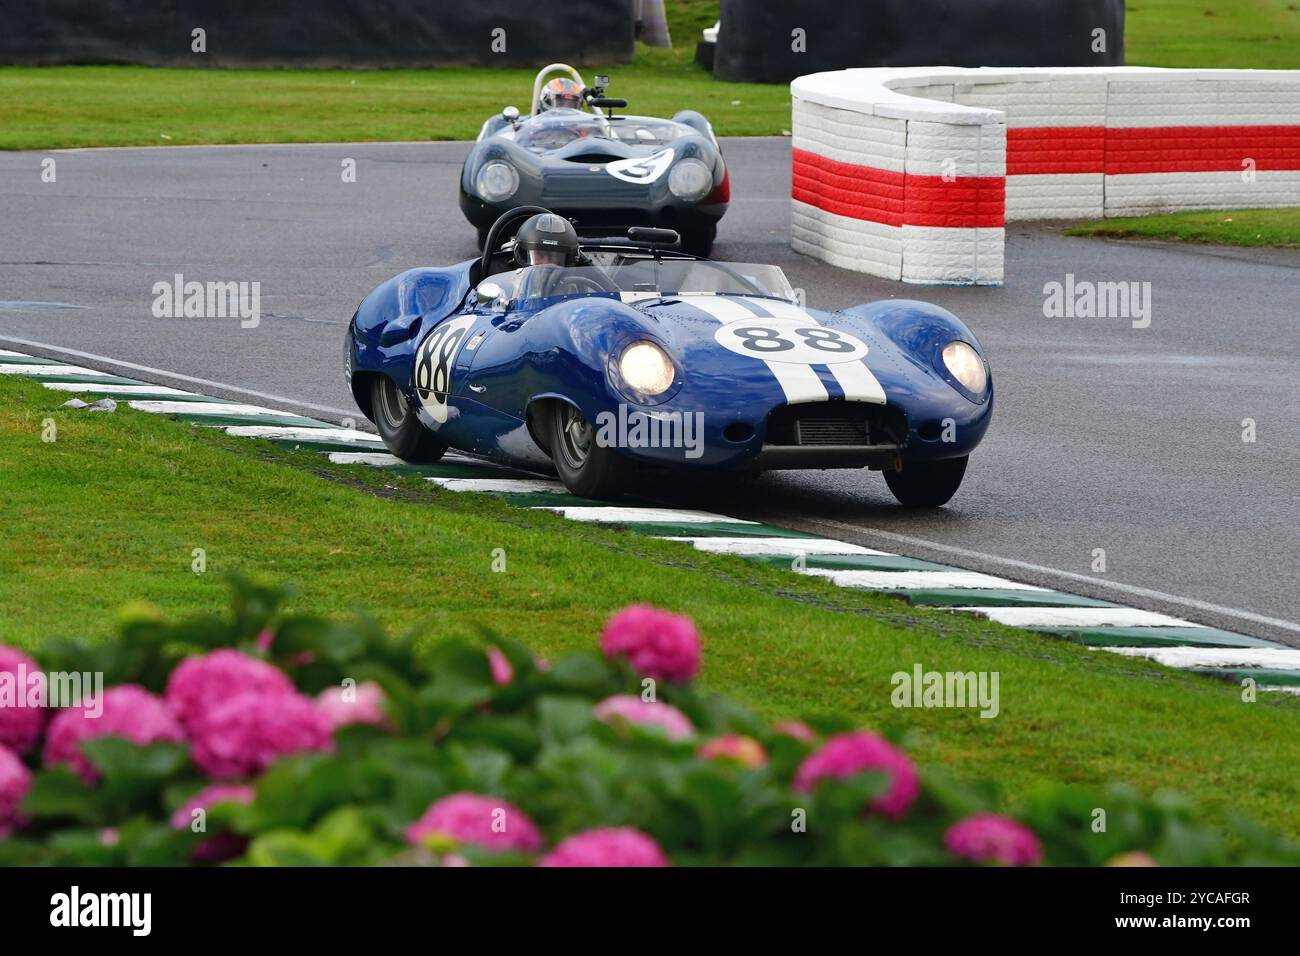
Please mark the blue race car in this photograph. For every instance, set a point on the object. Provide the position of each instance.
(573, 156)
(604, 358)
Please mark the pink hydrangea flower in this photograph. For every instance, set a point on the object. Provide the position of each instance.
(658, 644)
(796, 730)
(21, 723)
(845, 755)
(246, 734)
(129, 711)
(200, 683)
(366, 705)
(15, 781)
(485, 821)
(209, 797)
(634, 710)
(992, 838)
(608, 846)
(502, 672)
(745, 751)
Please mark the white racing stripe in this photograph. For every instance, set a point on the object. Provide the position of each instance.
(799, 382)
(859, 384)
(72, 371)
(214, 409)
(120, 389)
(13, 354)
(502, 486)
(1076, 617)
(917, 580)
(1273, 658)
(293, 432)
(782, 547)
(615, 515)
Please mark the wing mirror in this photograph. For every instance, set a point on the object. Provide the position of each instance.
(510, 113)
(490, 295)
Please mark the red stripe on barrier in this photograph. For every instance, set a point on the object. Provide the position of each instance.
(897, 199)
(1201, 149)
(1044, 150)
(1039, 150)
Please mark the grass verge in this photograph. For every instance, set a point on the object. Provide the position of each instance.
(53, 107)
(1227, 227)
(113, 510)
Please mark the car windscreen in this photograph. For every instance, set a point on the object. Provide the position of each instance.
(557, 128)
(636, 278)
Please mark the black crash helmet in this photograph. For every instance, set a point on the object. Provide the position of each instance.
(546, 239)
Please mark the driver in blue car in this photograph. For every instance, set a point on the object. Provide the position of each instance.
(547, 239)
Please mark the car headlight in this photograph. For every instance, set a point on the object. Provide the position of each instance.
(497, 181)
(690, 180)
(647, 368)
(966, 366)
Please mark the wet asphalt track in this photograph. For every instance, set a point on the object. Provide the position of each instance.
(1104, 436)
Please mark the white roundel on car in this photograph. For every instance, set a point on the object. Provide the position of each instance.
(791, 341)
(641, 169)
(434, 360)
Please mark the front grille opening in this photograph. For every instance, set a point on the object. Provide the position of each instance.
(592, 159)
(835, 423)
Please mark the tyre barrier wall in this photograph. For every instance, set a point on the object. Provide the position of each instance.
(912, 173)
(322, 34)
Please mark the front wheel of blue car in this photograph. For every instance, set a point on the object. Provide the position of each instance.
(587, 467)
(926, 484)
(399, 426)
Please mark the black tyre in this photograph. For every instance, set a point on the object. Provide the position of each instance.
(926, 484)
(482, 238)
(399, 427)
(699, 242)
(587, 468)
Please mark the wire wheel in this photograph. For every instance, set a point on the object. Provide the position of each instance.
(576, 437)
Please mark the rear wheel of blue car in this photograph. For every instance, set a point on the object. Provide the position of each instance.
(399, 426)
(587, 468)
(926, 484)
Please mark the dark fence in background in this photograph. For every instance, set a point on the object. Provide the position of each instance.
(363, 34)
(756, 42)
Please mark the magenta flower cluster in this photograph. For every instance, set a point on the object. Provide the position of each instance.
(490, 823)
(15, 781)
(992, 838)
(20, 727)
(845, 755)
(129, 711)
(657, 644)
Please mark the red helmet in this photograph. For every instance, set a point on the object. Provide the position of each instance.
(562, 93)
